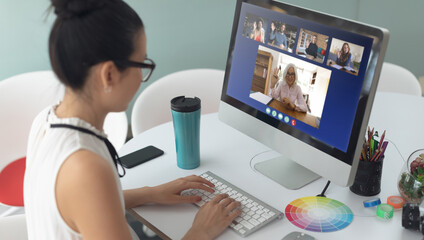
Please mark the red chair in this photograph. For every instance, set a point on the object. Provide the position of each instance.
(22, 97)
(11, 189)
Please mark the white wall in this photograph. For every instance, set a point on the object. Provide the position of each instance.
(186, 34)
(181, 34)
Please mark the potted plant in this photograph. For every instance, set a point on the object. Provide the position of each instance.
(411, 179)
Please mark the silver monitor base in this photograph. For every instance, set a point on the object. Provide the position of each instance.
(286, 172)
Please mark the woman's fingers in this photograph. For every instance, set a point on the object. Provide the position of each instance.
(195, 178)
(233, 205)
(235, 213)
(219, 198)
(226, 201)
(197, 185)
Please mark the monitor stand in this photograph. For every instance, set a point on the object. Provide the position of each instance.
(286, 172)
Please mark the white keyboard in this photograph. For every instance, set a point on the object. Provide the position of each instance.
(255, 213)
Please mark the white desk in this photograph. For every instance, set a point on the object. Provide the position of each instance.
(228, 153)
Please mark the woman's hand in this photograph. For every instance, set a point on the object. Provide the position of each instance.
(214, 217)
(288, 104)
(276, 84)
(275, 72)
(170, 193)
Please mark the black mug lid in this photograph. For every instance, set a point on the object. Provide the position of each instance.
(185, 104)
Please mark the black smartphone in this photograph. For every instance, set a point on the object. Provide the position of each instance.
(140, 156)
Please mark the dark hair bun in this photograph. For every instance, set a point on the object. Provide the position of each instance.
(72, 8)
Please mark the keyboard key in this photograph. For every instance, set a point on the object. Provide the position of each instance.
(253, 221)
(238, 226)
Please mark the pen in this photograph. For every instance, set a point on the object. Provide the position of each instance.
(383, 147)
(363, 155)
(367, 152)
(382, 139)
(369, 143)
(375, 156)
(376, 143)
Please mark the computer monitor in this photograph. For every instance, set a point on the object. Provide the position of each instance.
(302, 83)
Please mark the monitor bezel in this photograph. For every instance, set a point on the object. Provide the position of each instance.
(380, 36)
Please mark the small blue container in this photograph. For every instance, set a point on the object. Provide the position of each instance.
(186, 120)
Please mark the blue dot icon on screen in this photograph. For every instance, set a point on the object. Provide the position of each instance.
(286, 119)
(268, 110)
(274, 113)
(280, 116)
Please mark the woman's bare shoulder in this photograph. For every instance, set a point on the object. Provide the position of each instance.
(86, 191)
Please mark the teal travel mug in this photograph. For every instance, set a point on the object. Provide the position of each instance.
(186, 120)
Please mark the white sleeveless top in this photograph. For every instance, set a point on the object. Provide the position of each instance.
(48, 148)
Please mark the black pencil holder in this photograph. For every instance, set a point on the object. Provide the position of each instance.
(368, 178)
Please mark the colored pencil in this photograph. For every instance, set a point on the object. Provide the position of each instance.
(383, 149)
(382, 139)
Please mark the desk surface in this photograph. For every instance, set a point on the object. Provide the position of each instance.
(231, 155)
(350, 70)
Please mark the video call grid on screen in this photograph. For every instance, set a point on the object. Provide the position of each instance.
(344, 85)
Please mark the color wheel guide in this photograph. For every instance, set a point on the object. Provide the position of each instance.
(319, 214)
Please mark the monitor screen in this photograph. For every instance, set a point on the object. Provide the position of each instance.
(305, 81)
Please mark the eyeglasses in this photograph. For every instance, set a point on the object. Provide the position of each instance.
(291, 74)
(147, 66)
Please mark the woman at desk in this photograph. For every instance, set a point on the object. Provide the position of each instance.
(344, 56)
(289, 93)
(71, 186)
